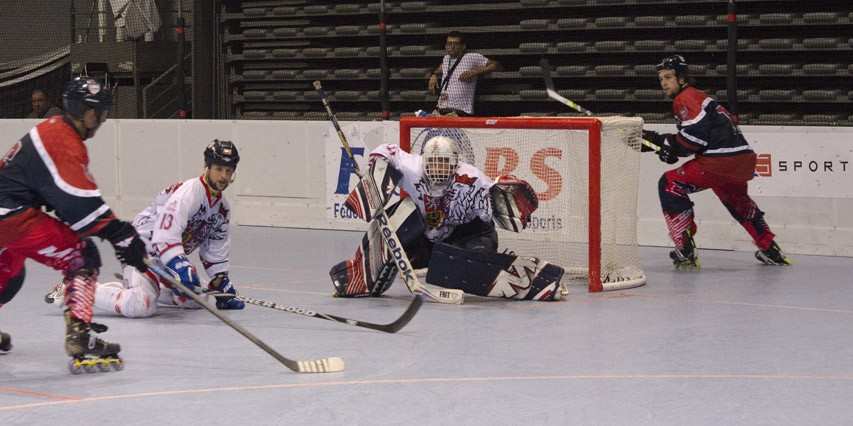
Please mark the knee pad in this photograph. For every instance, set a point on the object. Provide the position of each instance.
(91, 260)
(673, 196)
(12, 287)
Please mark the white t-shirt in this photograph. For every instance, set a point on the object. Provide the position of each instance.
(459, 94)
(466, 199)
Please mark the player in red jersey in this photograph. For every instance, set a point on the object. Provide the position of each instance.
(723, 162)
(49, 168)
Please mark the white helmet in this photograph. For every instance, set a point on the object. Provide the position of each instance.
(440, 158)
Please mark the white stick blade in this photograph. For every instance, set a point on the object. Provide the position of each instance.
(325, 365)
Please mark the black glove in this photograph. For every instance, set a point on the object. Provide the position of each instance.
(653, 137)
(130, 250)
(666, 154)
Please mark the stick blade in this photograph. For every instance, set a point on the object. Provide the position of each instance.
(324, 365)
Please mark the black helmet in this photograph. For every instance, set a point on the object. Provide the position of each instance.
(85, 92)
(675, 63)
(223, 153)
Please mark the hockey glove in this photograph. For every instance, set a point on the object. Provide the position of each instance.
(653, 137)
(185, 273)
(221, 283)
(130, 250)
(667, 154)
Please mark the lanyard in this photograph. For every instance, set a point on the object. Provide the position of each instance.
(446, 80)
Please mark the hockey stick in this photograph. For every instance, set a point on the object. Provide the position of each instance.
(324, 365)
(391, 327)
(404, 266)
(549, 89)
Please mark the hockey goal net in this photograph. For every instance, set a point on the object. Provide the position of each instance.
(585, 172)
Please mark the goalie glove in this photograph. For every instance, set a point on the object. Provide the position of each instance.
(513, 201)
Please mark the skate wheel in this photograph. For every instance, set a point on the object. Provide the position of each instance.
(89, 368)
(103, 367)
(74, 367)
(118, 365)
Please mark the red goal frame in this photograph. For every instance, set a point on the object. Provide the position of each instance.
(593, 127)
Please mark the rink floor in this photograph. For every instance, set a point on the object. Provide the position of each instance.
(737, 344)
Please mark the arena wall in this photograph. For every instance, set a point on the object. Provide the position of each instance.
(291, 174)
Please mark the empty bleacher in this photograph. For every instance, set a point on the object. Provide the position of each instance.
(794, 58)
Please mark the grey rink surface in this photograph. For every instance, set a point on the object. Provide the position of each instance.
(735, 344)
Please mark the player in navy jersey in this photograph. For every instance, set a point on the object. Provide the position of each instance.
(49, 168)
(723, 162)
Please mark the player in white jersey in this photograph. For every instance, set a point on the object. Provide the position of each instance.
(449, 213)
(186, 216)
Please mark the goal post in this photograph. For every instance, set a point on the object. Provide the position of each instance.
(585, 171)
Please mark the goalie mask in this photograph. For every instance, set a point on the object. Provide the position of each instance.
(440, 159)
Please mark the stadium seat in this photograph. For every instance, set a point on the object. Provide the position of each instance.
(285, 74)
(311, 95)
(317, 74)
(534, 24)
(658, 45)
(348, 29)
(610, 45)
(742, 95)
(284, 11)
(611, 93)
(776, 43)
(534, 2)
(571, 2)
(689, 20)
(255, 74)
(347, 8)
(415, 72)
(571, 70)
(316, 9)
(610, 69)
(256, 95)
(255, 11)
(742, 43)
(655, 116)
(724, 19)
(646, 69)
(411, 6)
(782, 69)
(255, 32)
(533, 47)
(414, 95)
(775, 18)
(610, 21)
(649, 94)
(530, 71)
(316, 31)
(574, 94)
(528, 94)
(374, 73)
(285, 53)
(316, 52)
(413, 50)
(287, 115)
(348, 73)
(285, 95)
(822, 18)
(820, 95)
(348, 95)
(831, 119)
(255, 115)
(822, 42)
(571, 23)
(348, 51)
(417, 28)
(572, 46)
(777, 94)
(650, 21)
(821, 69)
(691, 44)
(285, 32)
(775, 118)
(740, 69)
(255, 53)
(351, 115)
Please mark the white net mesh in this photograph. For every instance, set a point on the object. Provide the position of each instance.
(556, 163)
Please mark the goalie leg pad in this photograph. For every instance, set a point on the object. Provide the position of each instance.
(494, 274)
(373, 268)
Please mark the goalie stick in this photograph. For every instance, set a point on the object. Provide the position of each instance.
(404, 267)
(391, 327)
(323, 365)
(552, 93)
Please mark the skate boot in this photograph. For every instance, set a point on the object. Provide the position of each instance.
(56, 296)
(772, 256)
(686, 258)
(88, 353)
(5, 342)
